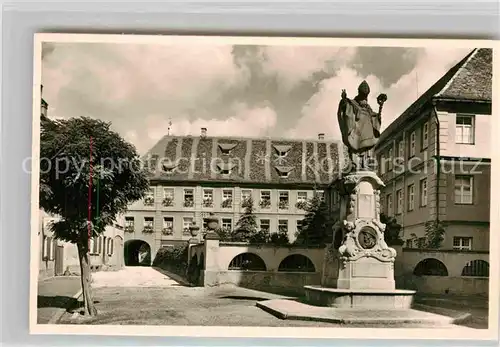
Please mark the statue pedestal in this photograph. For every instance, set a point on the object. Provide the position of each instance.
(364, 263)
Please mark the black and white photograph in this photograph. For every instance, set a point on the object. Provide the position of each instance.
(263, 186)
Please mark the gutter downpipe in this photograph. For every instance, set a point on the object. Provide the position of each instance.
(437, 157)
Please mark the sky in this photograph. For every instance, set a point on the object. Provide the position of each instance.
(232, 90)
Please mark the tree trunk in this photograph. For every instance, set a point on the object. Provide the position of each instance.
(88, 299)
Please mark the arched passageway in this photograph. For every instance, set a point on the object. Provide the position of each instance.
(137, 253)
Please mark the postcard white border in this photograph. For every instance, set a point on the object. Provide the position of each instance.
(267, 332)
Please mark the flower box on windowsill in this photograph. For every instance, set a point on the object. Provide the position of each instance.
(301, 205)
(147, 230)
(149, 201)
(188, 203)
(167, 202)
(167, 231)
(186, 231)
(246, 202)
(228, 203)
(129, 229)
(208, 203)
(265, 203)
(283, 205)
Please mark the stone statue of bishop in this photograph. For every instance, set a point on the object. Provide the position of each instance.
(359, 124)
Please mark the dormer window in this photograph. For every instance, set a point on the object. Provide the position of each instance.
(169, 167)
(153, 162)
(282, 150)
(225, 168)
(226, 148)
(284, 171)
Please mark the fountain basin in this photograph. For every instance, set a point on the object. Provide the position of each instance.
(359, 298)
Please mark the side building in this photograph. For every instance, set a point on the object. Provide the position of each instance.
(198, 175)
(435, 158)
(57, 258)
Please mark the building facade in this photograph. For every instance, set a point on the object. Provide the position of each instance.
(435, 158)
(193, 176)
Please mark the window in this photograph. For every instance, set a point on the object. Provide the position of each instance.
(208, 198)
(168, 197)
(399, 201)
(91, 245)
(425, 135)
(148, 224)
(168, 225)
(265, 199)
(227, 224)
(109, 248)
(129, 224)
(246, 194)
(188, 198)
(382, 164)
(463, 189)
(423, 192)
(321, 195)
(412, 144)
(476, 268)
(389, 205)
(464, 130)
(46, 247)
(149, 198)
(300, 222)
(401, 150)
(301, 196)
(462, 243)
(265, 224)
(283, 226)
(301, 203)
(187, 222)
(283, 201)
(227, 198)
(391, 158)
(154, 162)
(95, 246)
(411, 197)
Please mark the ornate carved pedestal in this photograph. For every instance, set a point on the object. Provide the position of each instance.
(363, 265)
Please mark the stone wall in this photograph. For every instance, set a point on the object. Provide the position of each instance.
(214, 262)
(211, 261)
(450, 282)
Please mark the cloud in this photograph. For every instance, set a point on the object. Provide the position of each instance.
(294, 64)
(245, 122)
(232, 90)
(319, 115)
(129, 84)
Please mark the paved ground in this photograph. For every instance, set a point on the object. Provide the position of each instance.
(55, 294)
(145, 296)
(133, 276)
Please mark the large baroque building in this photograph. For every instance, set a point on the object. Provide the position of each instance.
(197, 175)
(435, 158)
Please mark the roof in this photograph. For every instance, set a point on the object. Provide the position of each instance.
(469, 80)
(249, 160)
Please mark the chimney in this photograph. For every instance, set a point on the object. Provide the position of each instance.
(203, 132)
(321, 136)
